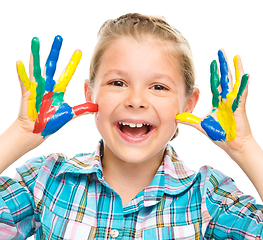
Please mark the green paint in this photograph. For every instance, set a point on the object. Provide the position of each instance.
(214, 81)
(35, 46)
(58, 98)
(240, 92)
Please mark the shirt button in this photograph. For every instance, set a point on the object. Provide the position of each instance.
(114, 233)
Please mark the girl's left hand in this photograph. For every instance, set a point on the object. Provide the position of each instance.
(226, 124)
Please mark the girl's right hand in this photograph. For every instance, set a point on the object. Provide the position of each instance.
(43, 110)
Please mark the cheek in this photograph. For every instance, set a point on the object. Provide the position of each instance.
(102, 117)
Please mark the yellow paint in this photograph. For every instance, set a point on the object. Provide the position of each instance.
(67, 75)
(225, 114)
(31, 87)
(188, 117)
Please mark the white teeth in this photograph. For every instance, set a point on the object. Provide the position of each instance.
(133, 125)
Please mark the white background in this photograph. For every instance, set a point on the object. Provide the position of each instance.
(235, 26)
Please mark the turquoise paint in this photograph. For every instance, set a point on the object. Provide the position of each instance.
(214, 83)
(40, 89)
(242, 87)
(58, 98)
(213, 129)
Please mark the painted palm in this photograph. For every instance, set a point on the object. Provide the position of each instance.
(220, 124)
(46, 106)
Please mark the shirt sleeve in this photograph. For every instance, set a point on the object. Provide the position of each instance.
(233, 214)
(18, 216)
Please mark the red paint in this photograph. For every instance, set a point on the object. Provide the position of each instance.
(45, 113)
(85, 108)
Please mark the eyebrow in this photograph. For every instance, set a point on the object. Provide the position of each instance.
(116, 71)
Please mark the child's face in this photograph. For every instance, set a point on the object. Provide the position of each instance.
(139, 90)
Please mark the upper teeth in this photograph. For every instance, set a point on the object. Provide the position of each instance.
(133, 125)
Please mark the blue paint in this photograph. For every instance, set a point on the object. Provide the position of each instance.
(60, 118)
(213, 129)
(224, 74)
(51, 63)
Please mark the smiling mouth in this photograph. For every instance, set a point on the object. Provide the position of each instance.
(135, 130)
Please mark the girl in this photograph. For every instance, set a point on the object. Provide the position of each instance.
(133, 186)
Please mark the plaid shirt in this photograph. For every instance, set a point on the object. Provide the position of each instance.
(58, 198)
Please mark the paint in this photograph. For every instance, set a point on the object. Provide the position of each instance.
(214, 82)
(51, 63)
(46, 106)
(58, 98)
(46, 112)
(213, 129)
(222, 127)
(226, 108)
(242, 87)
(226, 119)
(31, 87)
(60, 118)
(40, 89)
(224, 74)
(68, 73)
(85, 108)
(188, 117)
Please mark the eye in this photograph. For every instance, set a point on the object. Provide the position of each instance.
(159, 87)
(118, 83)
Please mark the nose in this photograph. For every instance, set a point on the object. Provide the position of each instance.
(136, 99)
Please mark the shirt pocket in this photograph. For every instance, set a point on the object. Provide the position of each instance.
(189, 232)
(56, 227)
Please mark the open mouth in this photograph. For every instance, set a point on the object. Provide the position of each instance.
(135, 130)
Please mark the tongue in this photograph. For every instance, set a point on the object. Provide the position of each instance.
(135, 132)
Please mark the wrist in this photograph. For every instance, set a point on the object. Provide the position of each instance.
(14, 143)
(249, 152)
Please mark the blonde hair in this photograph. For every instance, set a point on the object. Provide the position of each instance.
(140, 26)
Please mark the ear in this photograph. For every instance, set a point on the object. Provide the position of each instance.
(192, 100)
(87, 91)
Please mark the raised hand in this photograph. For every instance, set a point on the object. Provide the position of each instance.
(45, 105)
(223, 123)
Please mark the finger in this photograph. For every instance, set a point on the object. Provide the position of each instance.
(224, 81)
(214, 82)
(85, 108)
(243, 86)
(35, 45)
(191, 120)
(51, 63)
(237, 74)
(68, 73)
(40, 90)
(29, 86)
(188, 118)
(230, 85)
(20, 68)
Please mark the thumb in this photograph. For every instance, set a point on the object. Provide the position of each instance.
(189, 119)
(85, 108)
(24, 81)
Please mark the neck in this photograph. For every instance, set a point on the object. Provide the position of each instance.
(128, 179)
